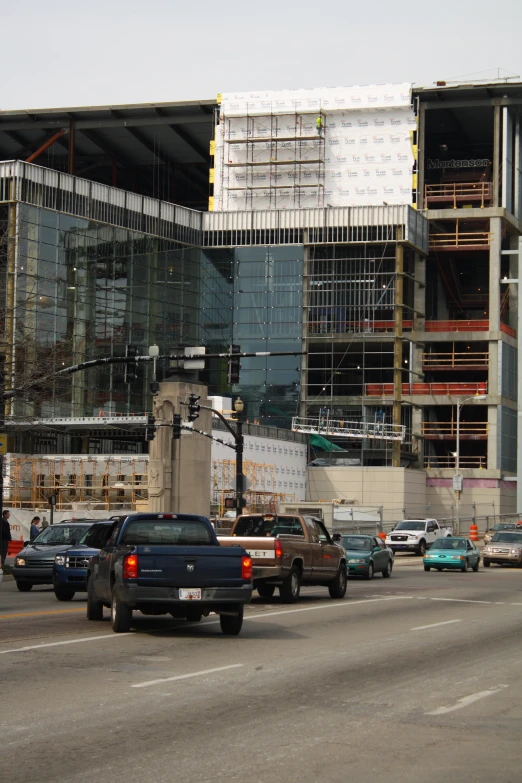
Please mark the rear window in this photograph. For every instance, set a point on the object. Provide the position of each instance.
(268, 526)
(167, 532)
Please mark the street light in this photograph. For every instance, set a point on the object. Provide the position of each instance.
(154, 385)
(457, 478)
(239, 406)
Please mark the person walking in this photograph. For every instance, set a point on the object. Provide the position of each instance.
(5, 537)
(35, 530)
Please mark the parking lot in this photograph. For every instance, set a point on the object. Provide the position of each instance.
(412, 677)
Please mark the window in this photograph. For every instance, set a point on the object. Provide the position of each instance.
(312, 529)
(164, 532)
(324, 537)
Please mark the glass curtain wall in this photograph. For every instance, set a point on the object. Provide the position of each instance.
(267, 313)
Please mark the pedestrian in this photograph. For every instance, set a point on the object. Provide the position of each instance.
(35, 530)
(5, 536)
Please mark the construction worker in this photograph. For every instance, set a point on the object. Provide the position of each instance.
(319, 125)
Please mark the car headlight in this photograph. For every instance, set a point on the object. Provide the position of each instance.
(355, 560)
(20, 561)
(59, 560)
(515, 551)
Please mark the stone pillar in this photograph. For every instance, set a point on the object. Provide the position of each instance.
(179, 471)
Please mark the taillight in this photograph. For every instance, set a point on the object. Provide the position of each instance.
(278, 549)
(246, 568)
(130, 567)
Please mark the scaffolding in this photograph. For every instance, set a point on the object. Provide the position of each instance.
(89, 483)
(261, 494)
(272, 161)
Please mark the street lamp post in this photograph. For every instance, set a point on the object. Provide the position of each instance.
(239, 407)
(457, 478)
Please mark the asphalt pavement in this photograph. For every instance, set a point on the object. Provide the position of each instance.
(412, 678)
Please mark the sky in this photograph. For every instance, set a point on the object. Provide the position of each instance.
(58, 53)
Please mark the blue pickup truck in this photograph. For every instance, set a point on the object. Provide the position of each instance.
(168, 564)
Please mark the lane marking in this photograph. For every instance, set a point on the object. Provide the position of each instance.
(38, 614)
(70, 641)
(466, 700)
(462, 600)
(434, 625)
(188, 676)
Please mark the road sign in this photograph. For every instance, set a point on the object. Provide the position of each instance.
(3, 443)
(457, 482)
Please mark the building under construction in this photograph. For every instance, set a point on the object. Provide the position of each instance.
(374, 229)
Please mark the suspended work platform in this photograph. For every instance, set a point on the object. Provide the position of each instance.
(349, 429)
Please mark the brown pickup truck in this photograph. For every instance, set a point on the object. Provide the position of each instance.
(287, 551)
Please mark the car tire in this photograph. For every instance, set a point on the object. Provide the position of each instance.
(63, 594)
(193, 616)
(371, 571)
(266, 591)
(24, 587)
(291, 587)
(121, 615)
(465, 567)
(94, 607)
(427, 568)
(388, 570)
(421, 550)
(486, 563)
(476, 566)
(231, 624)
(337, 588)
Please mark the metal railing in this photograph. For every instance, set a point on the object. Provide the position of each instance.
(465, 240)
(448, 461)
(455, 361)
(447, 430)
(354, 327)
(457, 326)
(349, 429)
(435, 389)
(455, 193)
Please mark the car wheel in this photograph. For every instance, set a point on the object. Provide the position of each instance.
(337, 588)
(476, 566)
(291, 587)
(486, 563)
(427, 568)
(266, 591)
(24, 587)
(422, 548)
(94, 607)
(464, 568)
(388, 570)
(231, 624)
(63, 594)
(121, 615)
(370, 573)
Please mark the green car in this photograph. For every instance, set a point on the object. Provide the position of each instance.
(452, 553)
(365, 555)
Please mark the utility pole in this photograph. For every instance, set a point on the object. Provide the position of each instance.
(397, 346)
(2, 449)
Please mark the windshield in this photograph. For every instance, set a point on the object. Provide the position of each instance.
(514, 538)
(167, 532)
(408, 525)
(449, 543)
(268, 526)
(505, 526)
(361, 543)
(61, 534)
(97, 536)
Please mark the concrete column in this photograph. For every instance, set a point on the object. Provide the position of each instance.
(495, 228)
(397, 346)
(304, 327)
(421, 162)
(493, 437)
(497, 146)
(179, 471)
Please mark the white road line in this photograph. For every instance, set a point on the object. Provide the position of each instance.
(464, 702)
(434, 625)
(70, 641)
(462, 600)
(188, 676)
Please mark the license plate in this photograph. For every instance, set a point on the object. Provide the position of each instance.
(260, 553)
(194, 594)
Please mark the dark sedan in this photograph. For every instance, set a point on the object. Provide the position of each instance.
(33, 565)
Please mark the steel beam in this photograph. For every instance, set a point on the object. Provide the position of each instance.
(45, 145)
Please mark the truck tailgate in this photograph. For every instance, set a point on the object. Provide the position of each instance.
(260, 549)
(178, 566)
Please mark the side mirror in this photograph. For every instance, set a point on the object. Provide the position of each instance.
(26, 543)
(336, 537)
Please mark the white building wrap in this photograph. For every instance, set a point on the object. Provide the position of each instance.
(272, 152)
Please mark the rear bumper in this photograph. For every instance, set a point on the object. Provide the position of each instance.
(212, 598)
(271, 574)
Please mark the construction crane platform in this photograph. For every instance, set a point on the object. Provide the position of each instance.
(356, 430)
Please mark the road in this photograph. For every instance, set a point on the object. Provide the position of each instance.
(412, 678)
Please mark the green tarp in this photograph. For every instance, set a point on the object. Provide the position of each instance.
(322, 443)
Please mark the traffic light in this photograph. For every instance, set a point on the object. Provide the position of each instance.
(193, 407)
(150, 428)
(176, 427)
(234, 365)
(131, 368)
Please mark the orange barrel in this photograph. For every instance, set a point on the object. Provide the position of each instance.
(473, 533)
(14, 547)
(383, 536)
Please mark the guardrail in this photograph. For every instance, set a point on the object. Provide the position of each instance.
(448, 461)
(435, 389)
(354, 327)
(455, 193)
(455, 361)
(446, 430)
